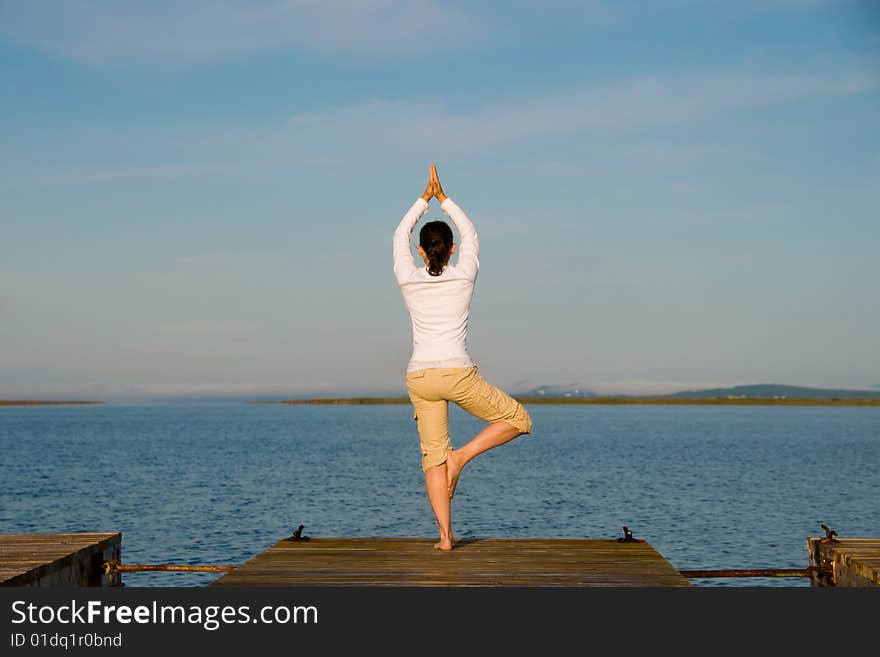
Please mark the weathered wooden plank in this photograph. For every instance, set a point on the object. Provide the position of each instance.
(58, 559)
(478, 562)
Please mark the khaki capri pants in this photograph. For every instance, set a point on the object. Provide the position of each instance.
(430, 390)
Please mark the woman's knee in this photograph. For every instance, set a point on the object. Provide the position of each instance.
(434, 456)
(521, 421)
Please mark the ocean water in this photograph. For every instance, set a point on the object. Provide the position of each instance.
(217, 483)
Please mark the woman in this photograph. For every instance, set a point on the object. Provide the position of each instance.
(440, 370)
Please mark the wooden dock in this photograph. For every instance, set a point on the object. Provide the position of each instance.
(849, 561)
(45, 559)
(486, 562)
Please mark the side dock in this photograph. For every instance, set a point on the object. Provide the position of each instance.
(48, 559)
(847, 561)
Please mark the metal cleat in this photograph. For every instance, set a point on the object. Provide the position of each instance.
(297, 535)
(829, 534)
(627, 536)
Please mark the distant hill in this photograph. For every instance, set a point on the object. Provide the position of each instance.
(570, 390)
(754, 391)
(777, 391)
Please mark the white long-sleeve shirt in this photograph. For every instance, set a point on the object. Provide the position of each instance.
(438, 305)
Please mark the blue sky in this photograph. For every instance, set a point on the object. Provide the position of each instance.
(198, 197)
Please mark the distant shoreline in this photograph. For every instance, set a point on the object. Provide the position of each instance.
(610, 401)
(40, 402)
(536, 401)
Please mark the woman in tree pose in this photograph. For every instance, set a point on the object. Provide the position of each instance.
(440, 370)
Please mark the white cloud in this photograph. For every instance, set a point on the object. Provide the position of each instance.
(384, 131)
(204, 328)
(658, 387)
(106, 31)
(795, 4)
(245, 259)
(645, 102)
(161, 171)
(146, 391)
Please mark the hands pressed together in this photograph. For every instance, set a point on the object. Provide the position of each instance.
(434, 188)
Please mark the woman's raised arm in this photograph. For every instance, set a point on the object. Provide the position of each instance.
(404, 264)
(469, 249)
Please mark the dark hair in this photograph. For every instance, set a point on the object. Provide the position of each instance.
(435, 238)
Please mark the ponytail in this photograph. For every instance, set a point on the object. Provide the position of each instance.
(435, 238)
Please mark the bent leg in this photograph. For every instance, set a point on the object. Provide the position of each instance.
(507, 419)
(493, 435)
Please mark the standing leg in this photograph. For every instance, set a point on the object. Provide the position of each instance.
(432, 415)
(441, 503)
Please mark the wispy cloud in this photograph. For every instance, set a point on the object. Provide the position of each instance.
(203, 328)
(384, 130)
(376, 127)
(105, 31)
(160, 171)
(794, 4)
(659, 387)
(244, 259)
(148, 390)
(642, 102)
(637, 386)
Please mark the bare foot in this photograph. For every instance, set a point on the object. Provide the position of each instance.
(444, 544)
(453, 471)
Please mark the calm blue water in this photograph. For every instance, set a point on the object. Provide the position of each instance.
(708, 487)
